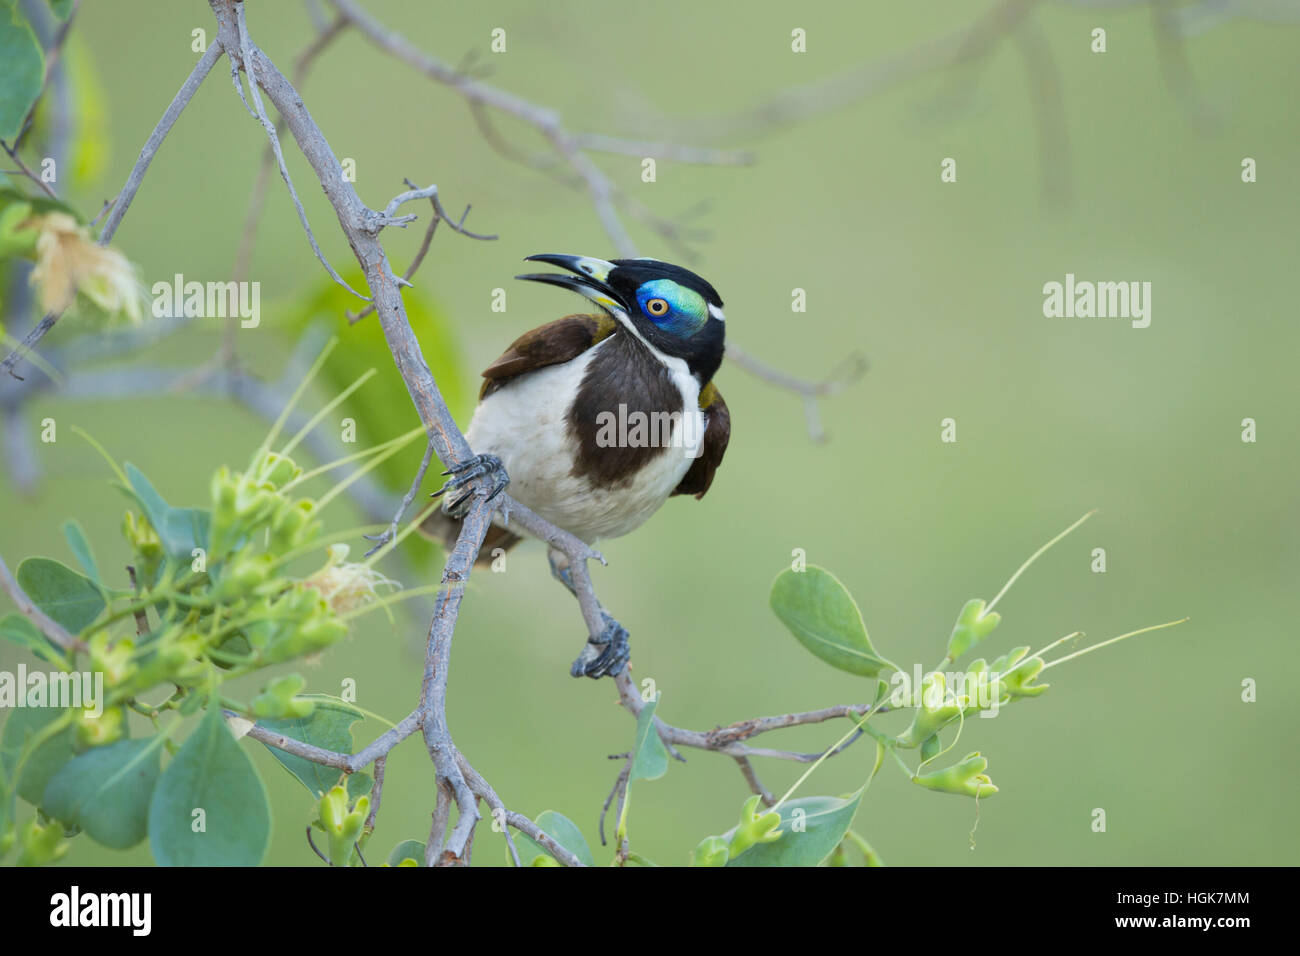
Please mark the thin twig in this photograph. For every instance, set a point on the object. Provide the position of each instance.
(155, 140)
(620, 785)
(568, 146)
(257, 198)
(376, 791)
(141, 615)
(355, 317)
(844, 375)
(391, 533)
(24, 170)
(246, 58)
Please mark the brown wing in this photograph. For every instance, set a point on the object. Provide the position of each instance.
(716, 435)
(552, 344)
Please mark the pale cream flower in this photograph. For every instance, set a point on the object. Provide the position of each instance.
(346, 586)
(68, 261)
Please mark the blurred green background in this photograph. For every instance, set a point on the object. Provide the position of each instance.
(939, 285)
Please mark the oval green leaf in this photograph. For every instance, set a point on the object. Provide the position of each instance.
(212, 774)
(106, 791)
(649, 755)
(71, 599)
(24, 70)
(329, 727)
(823, 616)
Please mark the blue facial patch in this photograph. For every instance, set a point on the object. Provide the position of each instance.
(686, 310)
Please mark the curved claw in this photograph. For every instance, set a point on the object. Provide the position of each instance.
(466, 473)
(604, 655)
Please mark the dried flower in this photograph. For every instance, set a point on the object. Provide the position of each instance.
(345, 585)
(68, 261)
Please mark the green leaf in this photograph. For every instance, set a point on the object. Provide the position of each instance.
(15, 210)
(21, 728)
(71, 599)
(649, 756)
(81, 549)
(16, 628)
(566, 833)
(61, 8)
(24, 69)
(180, 530)
(106, 791)
(811, 828)
(329, 727)
(823, 616)
(407, 850)
(560, 829)
(212, 774)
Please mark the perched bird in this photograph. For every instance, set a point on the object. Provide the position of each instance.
(598, 419)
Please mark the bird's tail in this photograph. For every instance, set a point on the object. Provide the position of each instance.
(445, 529)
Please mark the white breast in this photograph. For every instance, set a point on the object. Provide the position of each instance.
(525, 425)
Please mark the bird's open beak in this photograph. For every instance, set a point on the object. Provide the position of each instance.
(588, 279)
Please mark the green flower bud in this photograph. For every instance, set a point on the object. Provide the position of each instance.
(292, 525)
(242, 575)
(113, 660)
(333, 809)
(343, 828)
(274, 470)
(972, 626)
(1019, 681)
(1004, 663)
(321, 632)
(42, 844)
(966, 778)
(755, 828)
(144, 541)
(98, 731)
(175, 659)
(938, 708)
(239, 507)
(712, 851)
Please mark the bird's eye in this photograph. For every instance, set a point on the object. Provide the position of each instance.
(657, 307)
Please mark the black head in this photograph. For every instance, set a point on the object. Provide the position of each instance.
(672, 308)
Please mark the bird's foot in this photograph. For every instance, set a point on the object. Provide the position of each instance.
(605, 655)
(463, 477)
